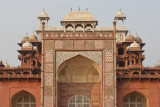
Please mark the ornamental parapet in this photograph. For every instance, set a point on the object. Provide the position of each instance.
(20, 72)
(138, 76)
(79, 35)
(145, 72)
(17, 76)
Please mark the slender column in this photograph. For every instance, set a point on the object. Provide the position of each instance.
(140, 62)
(83, 27)
(126, 63)
(46, 23)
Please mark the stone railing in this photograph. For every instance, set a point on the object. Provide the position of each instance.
(82, 35)
(38, 76)
(138, 76)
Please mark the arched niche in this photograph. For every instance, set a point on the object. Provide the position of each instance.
(78, 69)
(134, 99)
(78, 27)
(120, 51)
(88, 27)
(69, 27)
(121, 64)
(23, 99)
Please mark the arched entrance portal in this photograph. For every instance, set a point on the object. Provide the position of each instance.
(78, 76)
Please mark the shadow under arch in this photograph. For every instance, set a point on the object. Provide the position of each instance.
(80, 67)
(136, 98)
(20, 94)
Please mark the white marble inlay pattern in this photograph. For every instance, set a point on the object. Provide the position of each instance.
(62, 56)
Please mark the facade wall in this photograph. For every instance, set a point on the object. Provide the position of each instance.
(10, 88)
(149, 89)
(84, 45)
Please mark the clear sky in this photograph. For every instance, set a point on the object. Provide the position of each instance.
(18, 17)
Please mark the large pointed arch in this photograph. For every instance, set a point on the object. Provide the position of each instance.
(22, 98)
(78, 69)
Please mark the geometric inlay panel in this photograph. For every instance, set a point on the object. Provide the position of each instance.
(58, 44)
(108, 67)
(48, 68)
(108, 79)
(78, 44)
(88, 44)
(108, 102)
(48, 101)
(108, 56)
(62, 56)
(98, 44)
(48, 91)
(48, 79)
(109, 44)
(49, 45)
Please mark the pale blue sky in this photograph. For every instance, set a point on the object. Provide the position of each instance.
(18, 17)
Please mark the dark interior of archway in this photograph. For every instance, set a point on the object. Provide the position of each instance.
(121, 64)
(120, 51)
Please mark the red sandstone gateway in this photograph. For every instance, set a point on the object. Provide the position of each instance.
(80, 65)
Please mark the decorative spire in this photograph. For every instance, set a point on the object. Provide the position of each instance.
(137, 35)
(71, 8)
(129, 31)
(79, 9)
(86, 9)
(120, 9)
(26, 34)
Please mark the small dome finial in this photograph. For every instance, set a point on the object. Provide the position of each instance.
(71, 8)
(26, 34)
(79, 9)
(86, 9)
(120, 9)
(129, 31)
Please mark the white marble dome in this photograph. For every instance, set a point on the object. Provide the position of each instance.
(6, 65)
(137, 38)
(135, 44)
(130, 37)
(27, 44)
(158, 64)
(33, 37)
(34, 47)
(25, 38)
(120, 14)
(43, 14)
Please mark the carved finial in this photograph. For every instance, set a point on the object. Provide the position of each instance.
(136, 34)
(43, 9)
(120, 9)
(26, 34)
(129, 31)
(79, 8)
(71, 8)
(86, 9)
